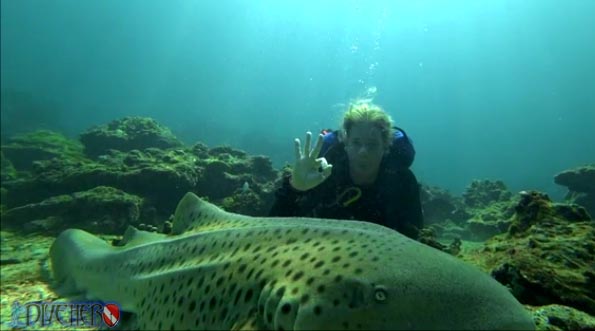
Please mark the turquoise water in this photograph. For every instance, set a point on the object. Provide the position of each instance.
(487, 89)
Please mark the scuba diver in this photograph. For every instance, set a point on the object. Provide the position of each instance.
(360, 172)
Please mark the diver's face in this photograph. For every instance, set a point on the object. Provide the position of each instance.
(365, 149)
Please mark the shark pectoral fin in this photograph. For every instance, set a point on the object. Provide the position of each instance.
(67, 289)
(135, 237)
(72, 249)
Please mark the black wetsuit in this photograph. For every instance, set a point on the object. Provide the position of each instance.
(393, 200)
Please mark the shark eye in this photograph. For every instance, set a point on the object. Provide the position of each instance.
(380, 294)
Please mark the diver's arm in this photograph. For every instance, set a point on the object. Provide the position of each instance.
(308, 172)
(412, 214)
(404, 211)
(285, 200)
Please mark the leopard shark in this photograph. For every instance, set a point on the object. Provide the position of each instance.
(226, 271)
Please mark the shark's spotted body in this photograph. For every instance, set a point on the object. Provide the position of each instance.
(220, 270)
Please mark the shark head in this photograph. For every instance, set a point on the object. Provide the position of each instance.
(421, 296)
(374, 280)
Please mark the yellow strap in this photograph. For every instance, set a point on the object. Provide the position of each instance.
(356, 190)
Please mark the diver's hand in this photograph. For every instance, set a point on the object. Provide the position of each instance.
(309, 170)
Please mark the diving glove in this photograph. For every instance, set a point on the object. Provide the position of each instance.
(309, 170)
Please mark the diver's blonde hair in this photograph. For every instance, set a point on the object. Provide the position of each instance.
(362, 110)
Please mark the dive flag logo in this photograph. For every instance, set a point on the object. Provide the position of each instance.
(111, 315)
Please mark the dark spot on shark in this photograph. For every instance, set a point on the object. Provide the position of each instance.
(286, 308)
(280, 291)
(223, 314)
(258, 274)
(298, 275)
(304, 298)
(317, 310)
(249, 295)
(238, 296)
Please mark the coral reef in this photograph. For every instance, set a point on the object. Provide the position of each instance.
(547, 255)
(157, 173)
(479, 229)
(492, 219)
(491, 206)
(542, 250)
(580, 182)
(219, 181)
(537, 208)
(244, 202)
(262, 168)
(440, 206)
(559, 318)
(484, 210)
(127, 134)
(484, 192)
(428, 237)
(99, 210)
(24, 149)
(160, 176)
